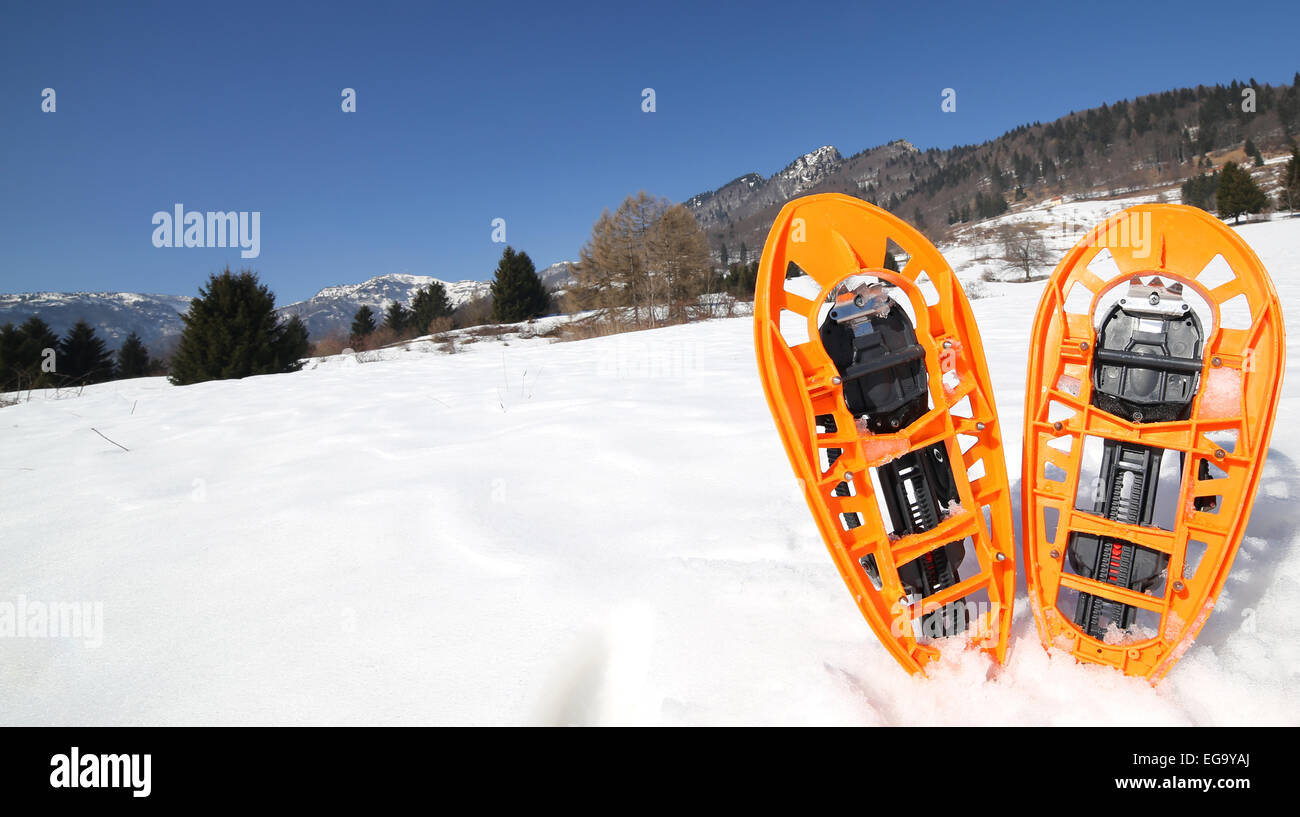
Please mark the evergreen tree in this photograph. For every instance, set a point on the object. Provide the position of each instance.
(1289, 198)
(518, 294)
(82, 357)
(133, 358)
(232, 331)
(397, 317)
(1199, 191)
(726, 264)
(1238, 194)
(1253, 151)
(363, 323)
(741, 278)
(28, 356)
(429, 304)
(293, 345)
(10, 340)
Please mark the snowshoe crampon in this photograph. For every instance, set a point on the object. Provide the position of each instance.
(1154, 373)
(877, 382)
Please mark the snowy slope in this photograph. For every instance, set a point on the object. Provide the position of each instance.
(598, 531)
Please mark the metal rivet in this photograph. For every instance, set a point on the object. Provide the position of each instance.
(1186, 307)
(979, 426)
(947, 344)
(1001, 557)
(848, 476)
(1084, 345)
(1154, 299)
(1057, 426)
(1178, 586)
(834, 314)
(859, 301)
(1123, 301)
(1216, 362)
(1220, 454)
(1137, 416)
(835, 381)
(894, 422)
(1056, 554)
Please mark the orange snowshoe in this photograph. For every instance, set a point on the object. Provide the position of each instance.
(877, 382)
(1155, 368)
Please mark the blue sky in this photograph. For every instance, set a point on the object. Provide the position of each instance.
(529, 113)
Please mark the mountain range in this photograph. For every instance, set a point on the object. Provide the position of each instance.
(1152, 141)
(1157, 140)
(157, 318)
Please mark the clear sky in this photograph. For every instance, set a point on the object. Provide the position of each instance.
(530, 113)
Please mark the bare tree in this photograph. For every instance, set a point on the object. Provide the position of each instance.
(613, 267)
(649, 255)
(1023, 249)
(679, 260)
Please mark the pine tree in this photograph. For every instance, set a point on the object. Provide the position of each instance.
(1238, 194)
(232, 331)
(1289, 198)
(133, 358)
(1253, 151)
(363, 323)
(10, 340)
(429, 304)
(518, 294)
(1200, 191)
(82, 356)
(28, 356)
(292, 346)
(397, 317)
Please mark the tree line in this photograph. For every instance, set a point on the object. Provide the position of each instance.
(1234, 193)
(516, 294)
(32, 356)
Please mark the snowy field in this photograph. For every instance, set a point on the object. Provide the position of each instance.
(604, 531)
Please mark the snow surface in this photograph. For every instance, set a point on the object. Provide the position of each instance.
(604, 531)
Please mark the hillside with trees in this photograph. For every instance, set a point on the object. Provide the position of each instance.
(1151, 141)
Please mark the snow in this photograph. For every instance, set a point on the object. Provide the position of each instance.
(603, 531)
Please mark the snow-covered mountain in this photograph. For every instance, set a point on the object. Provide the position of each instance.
(557, 276)
(332, 309)
(155, 318)
(752, 192)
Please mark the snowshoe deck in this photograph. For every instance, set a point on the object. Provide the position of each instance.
(877, 382)
(1146, 426)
